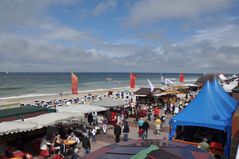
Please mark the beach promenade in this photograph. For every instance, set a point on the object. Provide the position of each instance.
(109, 138)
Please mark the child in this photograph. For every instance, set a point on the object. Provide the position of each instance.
(141, 132)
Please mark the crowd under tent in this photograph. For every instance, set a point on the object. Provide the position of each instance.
(145, 96)
(212, 108)
(110, 103)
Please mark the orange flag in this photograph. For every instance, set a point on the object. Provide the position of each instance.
(132, 80)
(181, 78)
(74, 83)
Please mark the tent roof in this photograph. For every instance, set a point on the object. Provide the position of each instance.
(22, 110)
(16, 126)
(110, 102)
(236, 89)
(222, 77)
(202, 80)
(81, 108)
(147, 91)
(51, 118)
(208, 109)
(224, 95)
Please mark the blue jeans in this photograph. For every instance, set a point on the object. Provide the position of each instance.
(145, 134)
(93, 138)
(87, 151)
(125, 136)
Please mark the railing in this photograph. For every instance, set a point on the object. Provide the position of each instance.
(185, 142)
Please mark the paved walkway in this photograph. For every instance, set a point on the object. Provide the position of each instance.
(109, 138)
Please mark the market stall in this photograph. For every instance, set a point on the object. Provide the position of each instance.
(212, 109)
(115, 105)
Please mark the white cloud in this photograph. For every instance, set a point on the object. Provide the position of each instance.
(145, 11)
(103, 6)
(37, 44)
(226, 34)
(17, 13)
(67, 33)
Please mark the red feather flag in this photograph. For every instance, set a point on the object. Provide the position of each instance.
(181, 78)
(74, 83)
(132, 80)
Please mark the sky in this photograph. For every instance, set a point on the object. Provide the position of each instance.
(191, 36)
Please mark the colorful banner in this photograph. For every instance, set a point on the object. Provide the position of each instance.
(132, 80)
(74, 83)
(181, 78)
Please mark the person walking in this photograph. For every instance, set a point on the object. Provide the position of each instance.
(157, 124)
(149, 114)
(145, 127)
(156, 112)
(105, 125)
(140, 122)
(126, 131)
(86, 144)
(162, 118)
(93, 132)
(90, 118)
(95, 118)
(117, 132)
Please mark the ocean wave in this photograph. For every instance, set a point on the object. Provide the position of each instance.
(9, 88)
(27, 96)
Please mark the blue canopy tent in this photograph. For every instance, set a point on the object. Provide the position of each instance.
(211, 108)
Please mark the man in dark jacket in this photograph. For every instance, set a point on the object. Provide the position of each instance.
(145, 127)
(126, 130)
(117, 132)
(86, 144)
(75, 155)
(90, 118)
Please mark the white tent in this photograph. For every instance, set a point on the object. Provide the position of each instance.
(16, 126)
(222, 77)
(110, 102)
(233, 76)
(230, 86)
(52, 118)
(81, 109)
(189, 85)
(168, 81)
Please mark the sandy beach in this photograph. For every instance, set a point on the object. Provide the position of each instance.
(31, 100)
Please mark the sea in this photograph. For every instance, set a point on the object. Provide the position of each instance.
(19, 85)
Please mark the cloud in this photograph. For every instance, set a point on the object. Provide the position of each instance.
(201, 52)
(15, 13)
(147, 11)
(66, 33)
(40, 43)
(103, 6)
